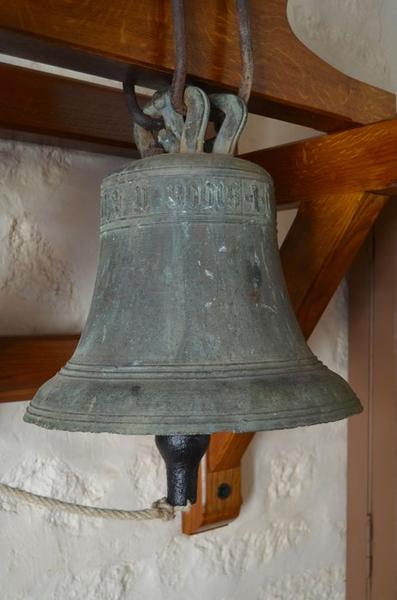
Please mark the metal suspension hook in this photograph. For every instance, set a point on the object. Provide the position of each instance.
(247, 61)
(179, 77)
(153, 123)
(178, 80)
(138, 116)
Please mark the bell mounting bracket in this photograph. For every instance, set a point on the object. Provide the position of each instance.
(186, 134)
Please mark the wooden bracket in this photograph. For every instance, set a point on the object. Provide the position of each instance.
(214, 509)
(211, 509)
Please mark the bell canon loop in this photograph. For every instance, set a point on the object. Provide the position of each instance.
(190, 329)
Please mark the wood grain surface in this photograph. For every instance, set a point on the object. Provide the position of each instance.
(111, 39)
(42, 108)
(28, 361)
(362, 159)
(320, 247)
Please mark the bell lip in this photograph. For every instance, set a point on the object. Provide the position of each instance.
(237, 425)
(185, 407)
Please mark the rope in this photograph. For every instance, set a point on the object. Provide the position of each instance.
(160, 509)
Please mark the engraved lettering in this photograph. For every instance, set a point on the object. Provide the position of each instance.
(220, 195)
(229, 196)
(233, 197)
(195, 196)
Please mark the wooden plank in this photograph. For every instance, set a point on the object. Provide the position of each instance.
(360, 340)
(372, 436)
(98, 37)
(42, 108)
(383, 418)
(362, 159)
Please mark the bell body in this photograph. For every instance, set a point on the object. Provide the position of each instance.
(190, 328)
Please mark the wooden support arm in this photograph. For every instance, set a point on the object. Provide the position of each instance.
(320, 247)
(362, 159)
(291, 82)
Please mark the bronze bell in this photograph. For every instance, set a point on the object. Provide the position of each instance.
(190, 329)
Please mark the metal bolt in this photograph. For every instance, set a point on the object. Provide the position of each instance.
(224, 491)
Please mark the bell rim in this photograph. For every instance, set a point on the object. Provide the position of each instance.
(42, 418)
(177, 407)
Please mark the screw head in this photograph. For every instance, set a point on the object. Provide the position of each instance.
(224, 491)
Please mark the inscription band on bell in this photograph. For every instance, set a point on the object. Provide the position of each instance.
(226, 196)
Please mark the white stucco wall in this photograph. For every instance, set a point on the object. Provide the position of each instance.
(289, 541)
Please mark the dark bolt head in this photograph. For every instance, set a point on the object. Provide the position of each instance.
(224, 491)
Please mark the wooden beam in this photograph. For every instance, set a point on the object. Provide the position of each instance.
(27, 362)
(317, 252)
(43, 108)
(95, 36)
(362, 159)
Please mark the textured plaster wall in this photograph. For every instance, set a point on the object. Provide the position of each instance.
(289, 542)
(355, 36)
